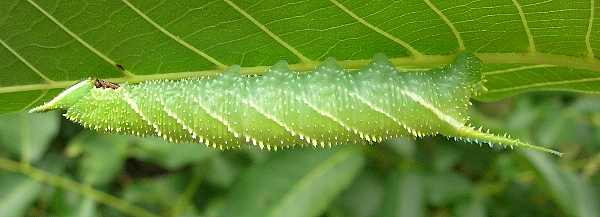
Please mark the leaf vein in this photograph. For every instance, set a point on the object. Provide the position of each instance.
(27, 63)
(525, 26)
(520, 69)
(541, 84)
(588, 34)
(72, 34)
(412, 50)
(269, 32)
(175, 38)
(461, 43)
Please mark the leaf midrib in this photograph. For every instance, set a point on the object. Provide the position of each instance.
(546, 60)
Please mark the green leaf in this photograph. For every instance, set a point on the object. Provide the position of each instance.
(405, 195)
(364, 197)
(102, 156)
(575, 196)
(473, 207)
(295, 182)
(17, 193)
(28, 136)
(168, 154)
(526, 45)
(444, 188)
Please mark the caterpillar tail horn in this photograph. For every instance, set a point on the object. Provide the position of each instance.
(470, 134)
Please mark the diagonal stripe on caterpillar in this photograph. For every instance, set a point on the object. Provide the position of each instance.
(282, 108)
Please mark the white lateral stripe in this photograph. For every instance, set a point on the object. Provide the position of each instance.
(179, 121)
(276, 120)
(324, 113)
(440, 114)
(215, 116)
(137, 110)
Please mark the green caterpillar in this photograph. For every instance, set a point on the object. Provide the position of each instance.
(282, 108)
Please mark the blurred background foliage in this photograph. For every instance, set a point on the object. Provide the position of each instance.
(50, 166)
